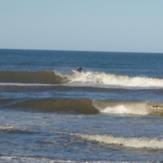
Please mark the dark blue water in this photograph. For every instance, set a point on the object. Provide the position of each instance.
(134, 64)
(129, 108)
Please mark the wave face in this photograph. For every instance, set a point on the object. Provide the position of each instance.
(82, 106)
(106, 79)
(87, 106)
(31, 77)
(126, 142)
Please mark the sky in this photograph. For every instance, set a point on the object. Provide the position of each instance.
(89, 25)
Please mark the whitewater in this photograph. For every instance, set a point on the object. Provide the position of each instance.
(102, 79)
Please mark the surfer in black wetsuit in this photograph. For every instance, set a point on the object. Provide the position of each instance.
(79, 69)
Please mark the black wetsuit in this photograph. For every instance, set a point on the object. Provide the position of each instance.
(79, 69)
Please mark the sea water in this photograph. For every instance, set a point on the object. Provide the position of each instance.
(111, 111)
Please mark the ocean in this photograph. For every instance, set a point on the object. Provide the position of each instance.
(110, 111)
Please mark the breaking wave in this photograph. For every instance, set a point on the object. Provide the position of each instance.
(102, 79)
(87, 106)
(132, 108)
(84, 79)
(131, 142)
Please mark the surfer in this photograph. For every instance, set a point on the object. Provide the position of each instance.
(79, 69)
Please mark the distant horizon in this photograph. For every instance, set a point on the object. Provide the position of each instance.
(76, 50)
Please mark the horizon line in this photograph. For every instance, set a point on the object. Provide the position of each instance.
(77, 50)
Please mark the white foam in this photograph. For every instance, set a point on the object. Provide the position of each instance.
(126, 142)
(121, 109)
(13, 129)
(7, 128)
(133, 108)
(90, 78)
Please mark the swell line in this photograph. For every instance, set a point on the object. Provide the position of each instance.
(85, 106)
(82, 106)
(79, 79)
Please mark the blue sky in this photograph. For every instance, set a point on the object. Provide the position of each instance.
(102, 25)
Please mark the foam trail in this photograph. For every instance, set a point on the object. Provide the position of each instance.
(89, 78)
(126, 142)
